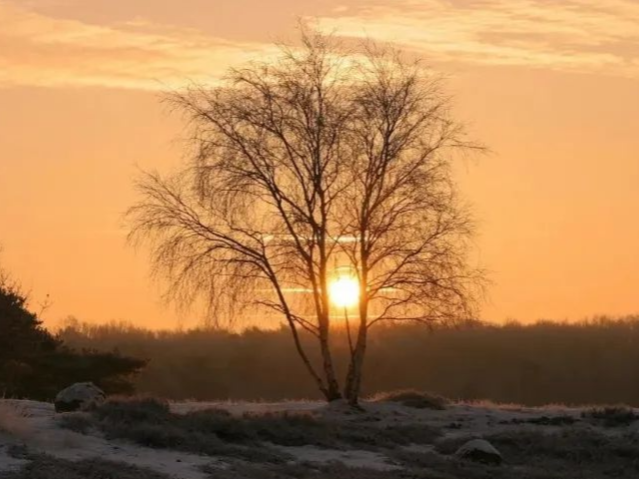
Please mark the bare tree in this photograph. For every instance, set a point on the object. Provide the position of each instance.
(321, 165)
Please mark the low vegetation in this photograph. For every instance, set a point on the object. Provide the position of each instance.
(530, 455)
(612, 416)
(400, 443)
(561, 420)
(35, 364)
(559, 454)
(305, 471)
(149, 422)
(47, 467)
(12, 421)
(79, 422)
(413, 399)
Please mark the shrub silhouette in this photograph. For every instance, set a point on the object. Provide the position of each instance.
(612, 416)
(412, 398)
(35, 364)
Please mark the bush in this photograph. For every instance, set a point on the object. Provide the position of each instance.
(79, 422)
(219, 422)
(36, 365)
(412, 398)
(615, 416)
(133, 410)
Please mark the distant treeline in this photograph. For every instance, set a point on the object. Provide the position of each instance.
(590, 362)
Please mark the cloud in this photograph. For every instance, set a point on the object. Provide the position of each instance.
(37, 50)
(595, 36)
(592, 36)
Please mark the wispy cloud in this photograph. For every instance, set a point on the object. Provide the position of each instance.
(594, 36)
(599, 36)
(43, 51)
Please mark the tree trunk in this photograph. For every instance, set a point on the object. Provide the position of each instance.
(352, 388)
(332, 392)
(353, 385)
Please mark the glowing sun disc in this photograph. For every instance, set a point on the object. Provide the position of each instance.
(344, 292)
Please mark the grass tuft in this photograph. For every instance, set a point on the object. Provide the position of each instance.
(131, 410)
(13, 420)
(79, 422)
(612, 416)
(412, 398)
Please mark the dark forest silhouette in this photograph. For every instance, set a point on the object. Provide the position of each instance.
(590, 362)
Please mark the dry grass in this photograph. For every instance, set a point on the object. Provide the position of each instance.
(571, 452)
(611, 416)
(489, 404)
(240, 470)
(47, 467)
(79, 422)
(584, 450)
(412, 398)
(13, 420)
(150, 423)
(14, 423)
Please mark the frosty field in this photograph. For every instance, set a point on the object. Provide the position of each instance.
(144, 439)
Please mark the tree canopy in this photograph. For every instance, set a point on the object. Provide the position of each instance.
(325, 165)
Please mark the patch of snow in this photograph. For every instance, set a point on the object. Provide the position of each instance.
(174, 463)
(50, 439)
(353, 458)
(43, 433)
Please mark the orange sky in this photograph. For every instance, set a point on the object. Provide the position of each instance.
(551, 87)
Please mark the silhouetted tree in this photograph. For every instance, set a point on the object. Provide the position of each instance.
(22, 338)
(34, 364)
(321, 165)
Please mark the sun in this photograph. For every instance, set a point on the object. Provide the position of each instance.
(344, 291)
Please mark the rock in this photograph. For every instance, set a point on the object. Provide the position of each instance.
(78, 396)
(479, 450)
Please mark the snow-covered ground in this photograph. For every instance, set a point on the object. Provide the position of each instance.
(36, 425)
(42, 433)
